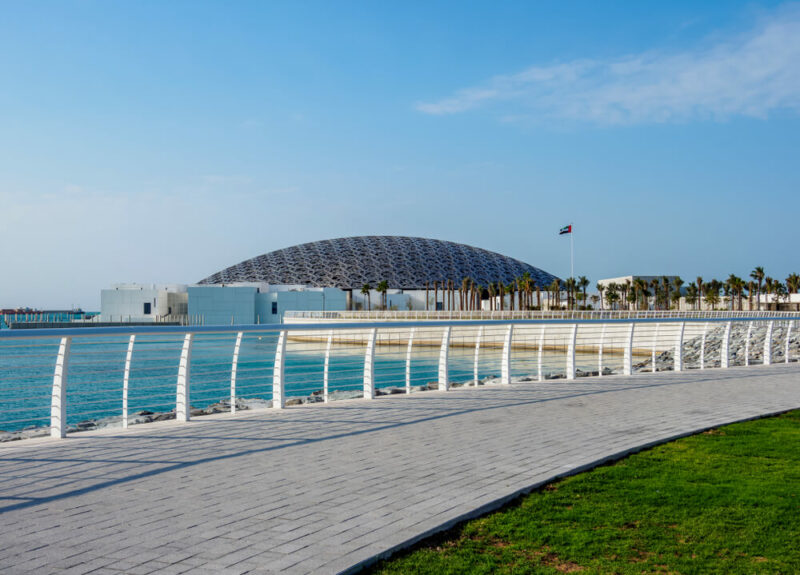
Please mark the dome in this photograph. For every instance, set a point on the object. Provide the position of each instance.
(404, 262)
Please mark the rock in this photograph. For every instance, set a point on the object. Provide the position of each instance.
(163, 416)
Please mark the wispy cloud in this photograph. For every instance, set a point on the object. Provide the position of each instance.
(750, 74)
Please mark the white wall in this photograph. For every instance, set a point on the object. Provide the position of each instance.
(127, 302)
(253, 303)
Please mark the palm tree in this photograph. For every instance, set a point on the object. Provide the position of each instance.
(555, 288)
(509, 290)
(383, 286)
(736, 287)
(427, 296)
(758, 275)
(600, 289)
(793, 283)
(612, 294)
(501, 290)
(491, 296)
(726, 293)
(665, 285)
(641, 292)
(656, 295)
(595, 299)
(583, 283)
(676, 299)
(626, 287)
(677, 283)
(699, 290)
(365, 291)
(769, 288)
(691, 294)
(780, 292)
(712, 293)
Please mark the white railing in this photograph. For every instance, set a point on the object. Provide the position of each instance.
(66, 379)
(404, 315)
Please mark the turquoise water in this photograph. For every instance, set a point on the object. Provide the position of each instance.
(96, 366)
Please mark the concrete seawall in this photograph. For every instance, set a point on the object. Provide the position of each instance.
(613, 336)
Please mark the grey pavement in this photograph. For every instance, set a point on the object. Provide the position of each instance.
(327, 488)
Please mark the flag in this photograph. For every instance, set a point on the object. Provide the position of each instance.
(565, 230)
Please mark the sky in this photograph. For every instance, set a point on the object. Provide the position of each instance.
(158, 142)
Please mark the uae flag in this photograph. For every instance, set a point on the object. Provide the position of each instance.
(565, 230)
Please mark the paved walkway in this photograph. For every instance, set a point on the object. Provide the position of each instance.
(324, 488)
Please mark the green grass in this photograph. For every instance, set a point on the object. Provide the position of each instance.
(724, 501)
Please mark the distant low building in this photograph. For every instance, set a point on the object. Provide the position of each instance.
(224, 304)
(257, 303)
(143, 303)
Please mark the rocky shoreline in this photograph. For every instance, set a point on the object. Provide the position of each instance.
(665, 361)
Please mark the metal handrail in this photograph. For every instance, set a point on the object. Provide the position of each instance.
(277, 327)
(385, 315)
(368, 333)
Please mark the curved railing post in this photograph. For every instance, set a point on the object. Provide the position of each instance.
(182, 395)
(408, 360)
(655, 343)
(571, 351)
(768, 344)
(126, 376)
(444, 382)
(505, 362)
(541, 351)
(600, 351)
(278, 372)
(788, 340)
(747, 343)
(678, 353)
(627, 356)
(477, 355)
(369, 365)
(725, 352)
(703, 347)
(234, 368)
(326, 368)
(58, 399)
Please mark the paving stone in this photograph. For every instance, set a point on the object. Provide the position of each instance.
(324, 488)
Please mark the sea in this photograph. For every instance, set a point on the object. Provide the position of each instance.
(96, 372)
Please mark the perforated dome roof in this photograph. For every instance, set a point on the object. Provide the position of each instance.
(404, 262)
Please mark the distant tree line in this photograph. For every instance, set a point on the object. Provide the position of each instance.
(638, 294)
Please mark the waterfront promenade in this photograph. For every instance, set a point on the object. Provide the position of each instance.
(324, 488)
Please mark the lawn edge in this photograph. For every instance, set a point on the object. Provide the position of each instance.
(504, 500)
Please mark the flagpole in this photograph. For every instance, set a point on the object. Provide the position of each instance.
(571, 251)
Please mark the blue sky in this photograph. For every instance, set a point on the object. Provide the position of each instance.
(160, 142)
